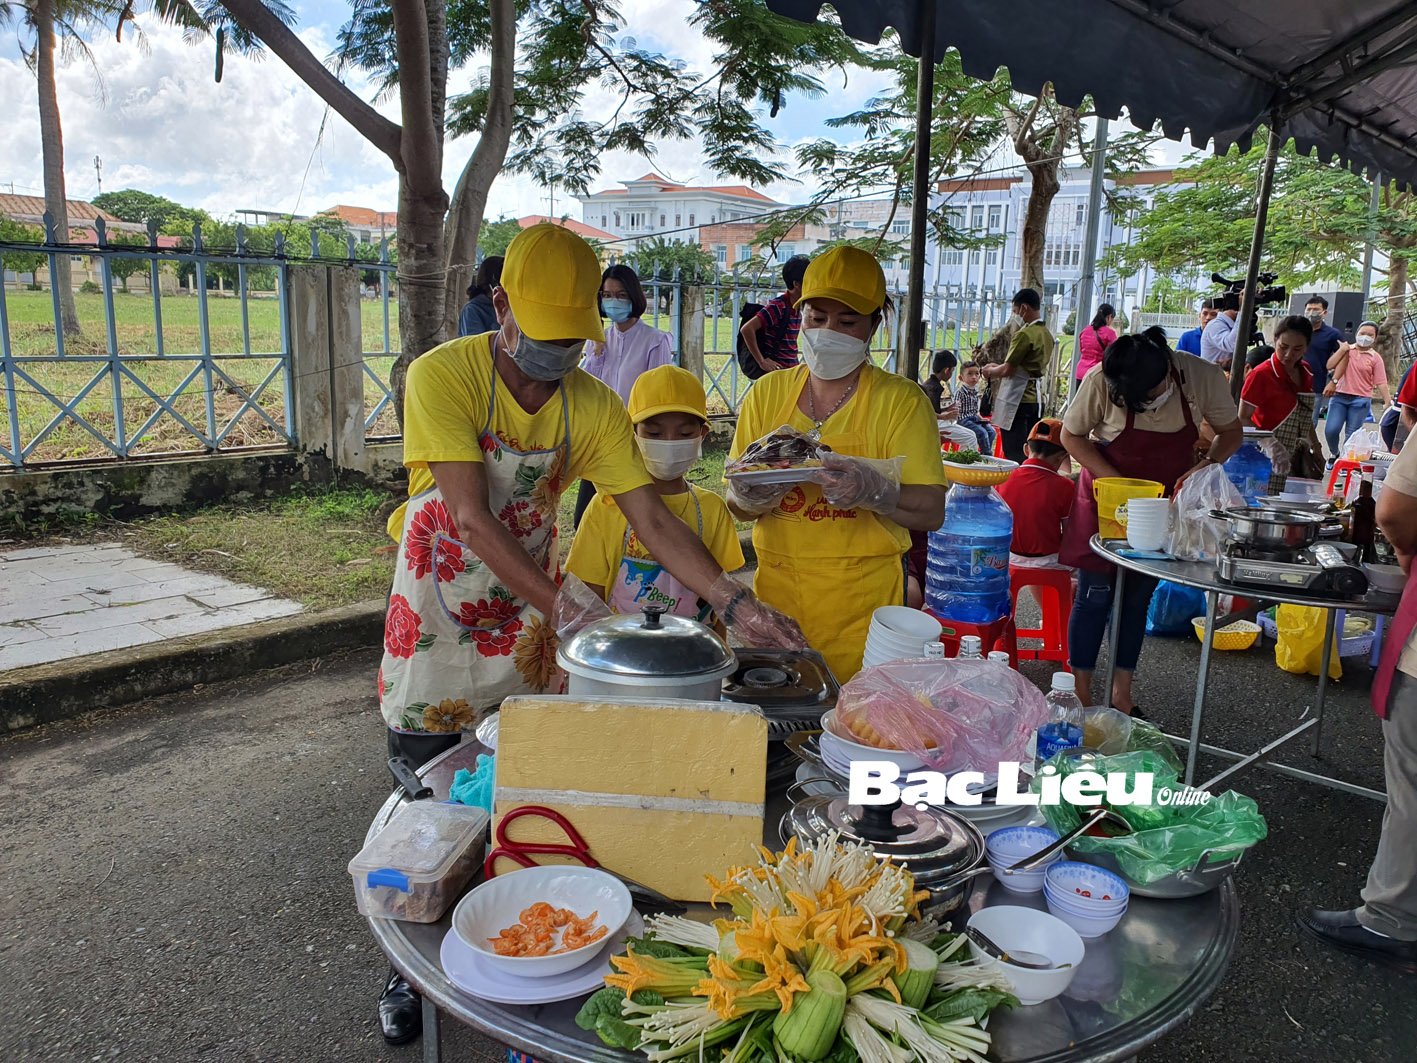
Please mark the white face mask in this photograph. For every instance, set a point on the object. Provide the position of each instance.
(829, 354)
(1364, 341)
(1155, 404)
(669, 459)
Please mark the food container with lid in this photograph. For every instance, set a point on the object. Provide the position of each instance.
(647, 655)
(420, 862)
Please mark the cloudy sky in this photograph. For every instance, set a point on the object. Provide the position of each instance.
(160, 123)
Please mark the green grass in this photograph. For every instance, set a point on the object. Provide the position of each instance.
(32, 335)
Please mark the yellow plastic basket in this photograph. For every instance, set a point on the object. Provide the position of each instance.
(986, 473)
(1239, 635)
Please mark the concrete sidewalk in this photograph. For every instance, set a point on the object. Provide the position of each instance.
(58, 602)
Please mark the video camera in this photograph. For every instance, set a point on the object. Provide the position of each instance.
(1268, 295)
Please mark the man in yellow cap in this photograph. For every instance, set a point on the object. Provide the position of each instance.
(495, 427)
(670, 415)
(831, 549)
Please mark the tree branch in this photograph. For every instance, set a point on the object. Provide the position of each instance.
(420, 126)
(256, 19)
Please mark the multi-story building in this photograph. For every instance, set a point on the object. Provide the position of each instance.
(650, 206)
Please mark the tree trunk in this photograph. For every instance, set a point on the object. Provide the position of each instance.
(51, 139)
(1390, 328)
(470, 196)
(1035, 223)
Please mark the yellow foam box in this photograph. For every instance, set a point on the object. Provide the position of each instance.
(663, 791)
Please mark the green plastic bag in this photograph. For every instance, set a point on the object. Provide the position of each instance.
(1167, 838)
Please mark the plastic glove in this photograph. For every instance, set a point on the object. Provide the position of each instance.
(857, 483)
(756, 498)
(576, 606)
(752, 623)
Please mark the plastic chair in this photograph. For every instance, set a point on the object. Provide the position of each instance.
(1052, 589)
(1347, 467)
(995, 635)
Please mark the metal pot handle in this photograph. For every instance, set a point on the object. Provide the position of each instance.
(803, 746)
(798, 790)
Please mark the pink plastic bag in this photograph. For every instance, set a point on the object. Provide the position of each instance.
(955, 715)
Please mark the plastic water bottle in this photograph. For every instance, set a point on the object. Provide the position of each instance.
(971, 648)
(967, 578)
(999, 657)
(1249, 470)
(1063, 729)
(935, 651)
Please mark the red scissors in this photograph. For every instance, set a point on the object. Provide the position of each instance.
(521, 852)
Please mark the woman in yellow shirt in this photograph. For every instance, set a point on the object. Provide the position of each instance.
(670, 414)
(830, 554)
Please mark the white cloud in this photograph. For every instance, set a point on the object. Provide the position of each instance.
(165, 126)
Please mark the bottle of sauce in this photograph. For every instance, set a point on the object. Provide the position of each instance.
(1363, 522)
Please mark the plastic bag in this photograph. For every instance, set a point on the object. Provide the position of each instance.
(1172, 607)
(1300, 646)
(954, 715)
(1167, 838)
(1195, 535)
(1107, 731)
(782, 448)
(1361, 444)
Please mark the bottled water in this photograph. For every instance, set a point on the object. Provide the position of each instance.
(967, 578)
(1063, 728)
(999, 657)
(1249, 470)
(970, 649)
(935, 651)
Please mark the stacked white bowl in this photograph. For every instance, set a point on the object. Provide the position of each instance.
(1089, 899)
(1148, 520)
(1008, 845)
(898, 632)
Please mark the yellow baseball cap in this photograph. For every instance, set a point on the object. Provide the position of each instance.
(552, 278)
(848, 275)
(667, 389)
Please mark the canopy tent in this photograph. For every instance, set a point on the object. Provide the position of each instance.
(1340, 78)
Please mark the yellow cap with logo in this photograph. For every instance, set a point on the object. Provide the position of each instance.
(552, 279)
(848, 275)
(667, 389)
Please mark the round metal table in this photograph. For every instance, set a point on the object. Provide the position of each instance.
(1135, 984)
(1204, 576)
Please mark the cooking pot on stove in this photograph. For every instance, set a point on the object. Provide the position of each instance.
(646, 655)
(1267, 528)
(942, 850)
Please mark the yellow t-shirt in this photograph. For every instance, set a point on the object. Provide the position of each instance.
(445, 410)
(897, 421)
(1203, 384)
(599, 545)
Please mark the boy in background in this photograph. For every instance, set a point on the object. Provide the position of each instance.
(1040, 497)
(670, 414)
(967, 397)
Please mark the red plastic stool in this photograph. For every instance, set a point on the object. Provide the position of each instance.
(1346, 467)
(996, 635)
(1052, 589)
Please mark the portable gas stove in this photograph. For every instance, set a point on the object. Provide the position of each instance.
(1321, 569)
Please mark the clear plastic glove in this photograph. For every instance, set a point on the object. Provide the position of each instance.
(576, 606)
(749, 621)
(756, 498)
(858, 483)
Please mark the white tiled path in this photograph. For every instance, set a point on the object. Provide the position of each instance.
(58, 602)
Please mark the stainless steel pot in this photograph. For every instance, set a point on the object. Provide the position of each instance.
(942, 850)
(650, 655)
(1209, 872)
(1270, 529)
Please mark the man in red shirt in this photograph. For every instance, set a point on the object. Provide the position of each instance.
(1040, 497)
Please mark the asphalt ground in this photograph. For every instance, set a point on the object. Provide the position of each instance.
(173, 883)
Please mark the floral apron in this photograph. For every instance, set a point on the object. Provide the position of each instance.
(1135, 452)
(455, 639)
(642, 581)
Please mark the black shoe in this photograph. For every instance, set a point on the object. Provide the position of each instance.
(1137, 714)
(1343, 931)
(400, 1011)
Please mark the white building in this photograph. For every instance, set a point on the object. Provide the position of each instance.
(650, 206)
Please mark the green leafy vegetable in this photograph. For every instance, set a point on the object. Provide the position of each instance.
(971, 1003)
(601, 1013)
(964, 457)
(649, 945)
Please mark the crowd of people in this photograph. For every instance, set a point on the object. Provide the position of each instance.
(557, 379)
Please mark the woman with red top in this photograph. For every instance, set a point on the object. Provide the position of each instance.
(1278, 396)
(1095, 339)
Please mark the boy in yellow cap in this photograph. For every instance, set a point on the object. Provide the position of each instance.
(670, 414)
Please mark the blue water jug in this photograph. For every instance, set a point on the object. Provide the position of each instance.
(1249, 470)
(967, 576)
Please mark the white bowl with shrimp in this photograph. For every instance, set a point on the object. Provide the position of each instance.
(498, 903)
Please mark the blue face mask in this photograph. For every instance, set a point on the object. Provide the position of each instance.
(545, 361)
(617, 310)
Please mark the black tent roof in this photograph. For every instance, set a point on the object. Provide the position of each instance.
(1341, 74)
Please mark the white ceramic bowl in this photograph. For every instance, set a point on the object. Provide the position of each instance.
(499, 902)
(1087, 926)
(1029, 930)
(1087, 883)
(896, 644)
(1387, 578)
(902, 620)
(854, 750)
(1019, 842)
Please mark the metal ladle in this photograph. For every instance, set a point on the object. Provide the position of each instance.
(1033, 961)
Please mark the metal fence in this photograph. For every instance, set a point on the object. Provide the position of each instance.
(175, 369)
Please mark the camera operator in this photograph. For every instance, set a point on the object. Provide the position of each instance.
(1322, 347)
(1218, 339)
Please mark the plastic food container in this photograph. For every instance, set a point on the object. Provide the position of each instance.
(419, 864)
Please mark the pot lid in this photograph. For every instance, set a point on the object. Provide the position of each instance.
(931, 842)
(646, 645)
(1273, 516)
